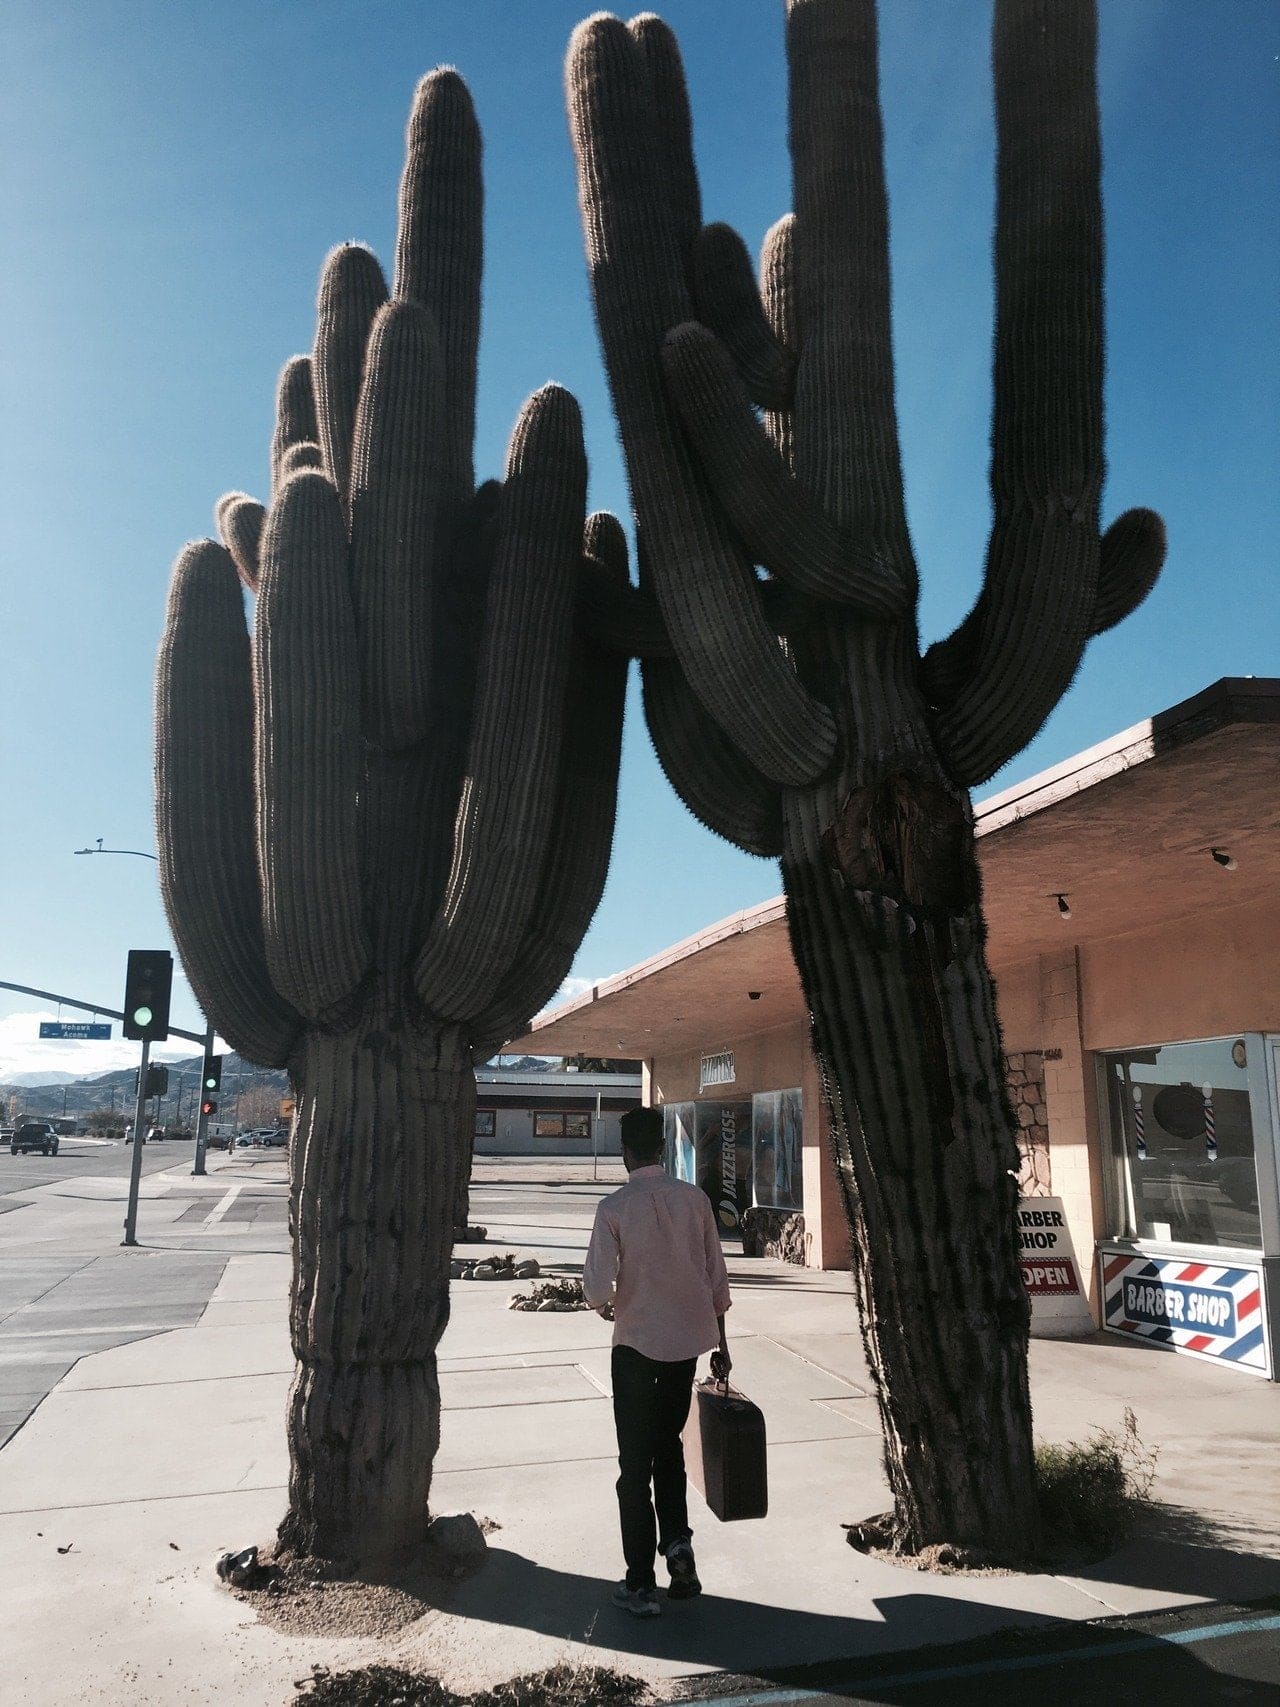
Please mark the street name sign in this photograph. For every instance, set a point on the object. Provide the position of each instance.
(77, 1029)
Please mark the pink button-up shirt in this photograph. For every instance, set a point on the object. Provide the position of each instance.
(655, 1253)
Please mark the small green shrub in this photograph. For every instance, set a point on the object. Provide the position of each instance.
(1088, 1489)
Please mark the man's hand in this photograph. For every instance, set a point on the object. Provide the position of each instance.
(721, 1364)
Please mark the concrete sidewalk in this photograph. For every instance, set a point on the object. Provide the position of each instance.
(149, 1459)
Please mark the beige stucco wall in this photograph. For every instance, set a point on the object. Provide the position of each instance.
(1205, 976)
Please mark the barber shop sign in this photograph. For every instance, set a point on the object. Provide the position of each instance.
(1213, 1310)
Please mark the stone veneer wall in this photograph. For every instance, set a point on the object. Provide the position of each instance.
(1024, 1074)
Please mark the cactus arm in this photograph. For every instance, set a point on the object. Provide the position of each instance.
(706, 769)
(508, 794)
(1041, 584)
(310, 757)
(352, 290)
(660, 70)
(239, 519)
(637, 202)
(846, 433)
(611, 611)
(439, 254)
(1133, 552)
(295, 421)
(301, 456)
(778, 297)
(577, 859)
(395, 490)
(777, 521)
(728, 301)
(204, 807)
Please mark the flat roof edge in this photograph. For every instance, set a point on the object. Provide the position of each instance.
(737, 924)
(1231, 699)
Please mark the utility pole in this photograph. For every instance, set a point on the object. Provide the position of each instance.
(135, 1166)
(202, 1119)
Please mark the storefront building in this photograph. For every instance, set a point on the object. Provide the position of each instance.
(521, 1112)
(1132, 897)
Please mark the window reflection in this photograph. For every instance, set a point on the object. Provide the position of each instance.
(1182, 1147)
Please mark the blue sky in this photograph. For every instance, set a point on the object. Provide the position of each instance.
(171, 176)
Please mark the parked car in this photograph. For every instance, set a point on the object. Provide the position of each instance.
(34, 1135)
(217, 1140)
(263, 1137)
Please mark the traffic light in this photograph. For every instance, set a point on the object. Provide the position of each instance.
(212, 1072)
(147, 984)
(208, 1106)
(157, 1081)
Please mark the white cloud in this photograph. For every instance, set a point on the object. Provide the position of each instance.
(572, 987)
(23, 1051)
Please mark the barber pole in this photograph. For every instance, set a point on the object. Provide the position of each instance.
(1139, 1134)
(1210, 1135)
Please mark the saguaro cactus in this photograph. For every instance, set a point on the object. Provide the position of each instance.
(385, 824)
(840, 747)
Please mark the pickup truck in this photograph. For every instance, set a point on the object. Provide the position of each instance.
(34, 1135)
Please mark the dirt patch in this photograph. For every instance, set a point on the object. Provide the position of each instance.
(388, 1686)
(313, 1597)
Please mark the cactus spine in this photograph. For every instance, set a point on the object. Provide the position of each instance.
(385, 825)
(844, 751)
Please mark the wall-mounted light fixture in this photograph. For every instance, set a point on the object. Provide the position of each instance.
(1226, 860)
(1063, 906)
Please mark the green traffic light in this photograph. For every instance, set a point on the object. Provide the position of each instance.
(142, 1016)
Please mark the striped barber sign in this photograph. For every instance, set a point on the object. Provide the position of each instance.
(1203, 1309)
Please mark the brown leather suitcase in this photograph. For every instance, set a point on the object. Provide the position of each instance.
(724, 1452)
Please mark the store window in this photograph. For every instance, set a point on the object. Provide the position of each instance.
(548, 1125)
(777, 1124)
(577, 1126)
(1182, 1144)
(486, 1122)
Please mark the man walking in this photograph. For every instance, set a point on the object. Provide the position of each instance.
(655, 1255)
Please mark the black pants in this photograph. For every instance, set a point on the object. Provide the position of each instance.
(650, 1405)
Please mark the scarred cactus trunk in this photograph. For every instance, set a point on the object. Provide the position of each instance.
(884, 912)
(378, 1172)
(845, 751)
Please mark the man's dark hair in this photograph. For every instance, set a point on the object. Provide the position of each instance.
(642, 1132)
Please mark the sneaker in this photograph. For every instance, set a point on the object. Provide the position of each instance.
(639, 1602)
(684, 1582)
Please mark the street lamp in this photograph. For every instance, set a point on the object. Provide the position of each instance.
(136, 852)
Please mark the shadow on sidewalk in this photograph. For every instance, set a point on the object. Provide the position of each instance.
(785, 1646)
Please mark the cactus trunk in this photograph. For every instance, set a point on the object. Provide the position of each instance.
(379, 1169)
(884, 909)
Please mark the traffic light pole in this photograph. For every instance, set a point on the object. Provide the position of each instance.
(135, 1170)
(201, 1117)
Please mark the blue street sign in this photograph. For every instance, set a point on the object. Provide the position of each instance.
(74, 1028)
